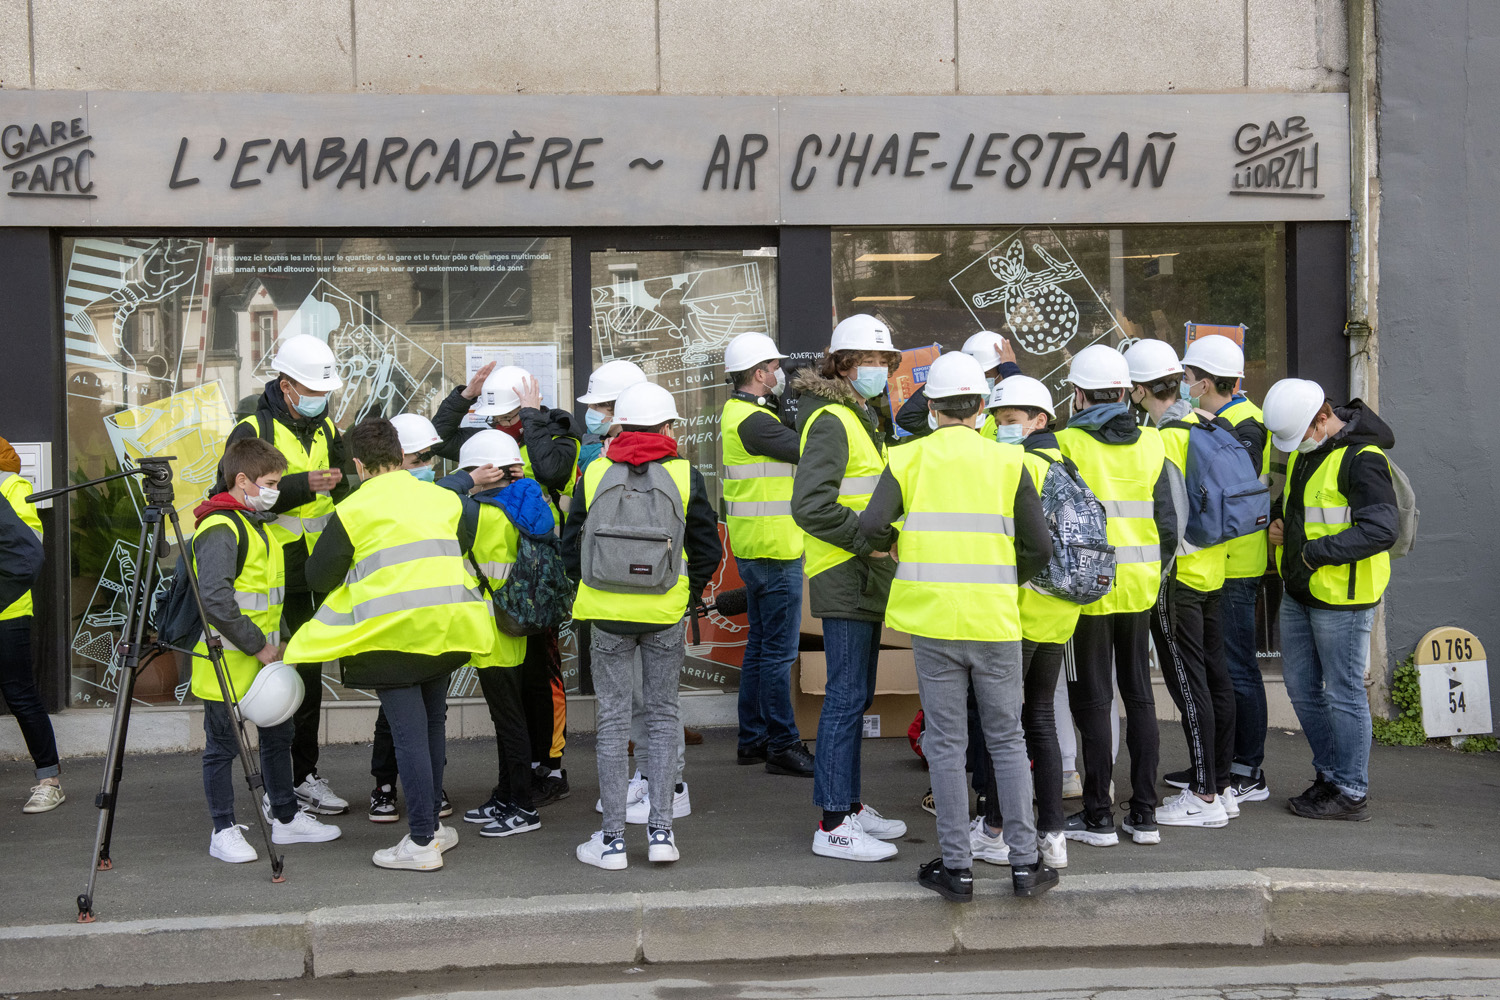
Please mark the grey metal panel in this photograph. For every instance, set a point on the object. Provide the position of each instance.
(665, 161)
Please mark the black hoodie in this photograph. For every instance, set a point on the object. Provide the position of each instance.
(1122, 429)
(551, 442)
(1365, 480)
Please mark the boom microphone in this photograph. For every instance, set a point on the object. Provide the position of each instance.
(730, 603)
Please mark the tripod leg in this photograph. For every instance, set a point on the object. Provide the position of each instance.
(249, 758)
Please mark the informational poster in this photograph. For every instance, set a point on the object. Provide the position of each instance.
(539, 359)
(1192, 331)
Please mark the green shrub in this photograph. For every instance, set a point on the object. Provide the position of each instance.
(1406, 691)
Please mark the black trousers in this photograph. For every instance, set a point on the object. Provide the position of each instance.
(543, 699)
(1125, 637)
(1190, 647)
(502, 695)
(296, 612)
(1040, 664)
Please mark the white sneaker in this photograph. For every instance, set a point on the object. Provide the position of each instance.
(1054, 848)
(1186, 809)
(317, 797)
(987, 848)
(601, 853)
(1072, 785)
(303, 828)
(445, 838)
(229, 844)
(410, 856)
(849, 841)
(635, 792)
(639, 812)
(878, 826)
(44, 798)
(1231, 804)
(663, 846)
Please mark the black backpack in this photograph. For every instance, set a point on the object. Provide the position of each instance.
(175, 613)
(538, 596)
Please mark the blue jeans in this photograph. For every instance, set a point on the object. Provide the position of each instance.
(1323, 657)
(1237, 625)
(852, 649)
(220, 748)
(418, 716)
(774, 590)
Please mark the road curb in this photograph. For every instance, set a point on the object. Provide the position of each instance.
(1272, 907)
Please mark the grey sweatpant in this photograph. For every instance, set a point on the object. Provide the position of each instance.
(945, 668)
(661, 657)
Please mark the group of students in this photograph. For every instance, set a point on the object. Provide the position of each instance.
(319, 545)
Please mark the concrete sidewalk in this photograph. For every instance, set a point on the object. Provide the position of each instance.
(746, 887)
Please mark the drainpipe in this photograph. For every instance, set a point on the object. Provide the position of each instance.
(1362, 328)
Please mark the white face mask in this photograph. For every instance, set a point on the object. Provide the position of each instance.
(1308, 445)
(780, 385)
(264, 500)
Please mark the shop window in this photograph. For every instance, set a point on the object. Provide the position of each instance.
(154, 369)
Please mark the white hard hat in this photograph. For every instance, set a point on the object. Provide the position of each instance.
(645, 404)
(861, 332)
(748, 350)
(1289, 409)
(1216, 354)
(308, 360)
(489, 447)
(1149, 360)
(501, 392)
(1099, 366)
(415, 431)
(984, 347)
(610, 379)
(955, 374)
(1022, 391)
(273, 696)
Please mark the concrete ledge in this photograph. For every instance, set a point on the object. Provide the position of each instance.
(1275, 907)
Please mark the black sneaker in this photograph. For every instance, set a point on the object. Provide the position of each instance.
(1179, 779)
(954, 884)
(1315, 793)
(751, 755)
(1249, 788)
(1098, 831)
(383, 805)
(1033, 879)
(928, 805)
(794, 760)
(549, 789)
(1142, 827)
(485, 813)
(1339, 805)
(446, 809)
(510, 820)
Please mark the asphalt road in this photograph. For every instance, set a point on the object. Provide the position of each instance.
(1434, 811)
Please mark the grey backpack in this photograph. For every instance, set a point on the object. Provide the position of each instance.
(632, 539)
(1082, 567)
(1407, 514)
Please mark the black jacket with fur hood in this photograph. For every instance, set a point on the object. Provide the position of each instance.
(857, 588)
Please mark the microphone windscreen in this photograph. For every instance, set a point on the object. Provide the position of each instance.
(732, 603)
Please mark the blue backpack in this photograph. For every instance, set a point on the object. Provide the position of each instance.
(1226, 498)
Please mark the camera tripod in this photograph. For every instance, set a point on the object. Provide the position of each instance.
(135, 652)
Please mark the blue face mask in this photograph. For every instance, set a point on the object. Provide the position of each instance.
(424, 473)
(596, 422)
(870, 382)
(1010, 433)
(311, 406)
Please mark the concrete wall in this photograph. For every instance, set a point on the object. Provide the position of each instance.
(675, 46)
(1439, 305)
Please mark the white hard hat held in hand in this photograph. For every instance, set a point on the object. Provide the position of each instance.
(955, 374)
(1099, 366)
(861, 332)
(309, 361)
(489, 447)
(1022, 391)
(645, 404)
(416, 432)
(273, 696)
(748, 350)
(1216, 355)
(984, 347)
(501, 392)
(1149, 360)
(1289, 409)
(609, 380)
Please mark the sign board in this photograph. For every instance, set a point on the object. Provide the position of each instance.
(120, 159)
(1455, 683)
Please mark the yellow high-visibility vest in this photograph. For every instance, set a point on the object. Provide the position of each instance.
(861, 473)
(1247, 554)
(15, 489)
(259, 591)
(757, 494)
(307, 521)
(1045, 618)
(1325, 511)
(1202, 569)
(495, 554)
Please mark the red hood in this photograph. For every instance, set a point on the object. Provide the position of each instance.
(517, 431)
(640, 447)
(219, 501)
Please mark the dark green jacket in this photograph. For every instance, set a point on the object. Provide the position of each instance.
(857, 588)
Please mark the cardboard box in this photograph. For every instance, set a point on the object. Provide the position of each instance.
(889, 638)
(896, 701)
